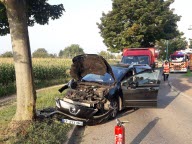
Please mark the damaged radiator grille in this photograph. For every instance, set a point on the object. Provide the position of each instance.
(86, 94)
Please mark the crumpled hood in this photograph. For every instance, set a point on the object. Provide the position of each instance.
(89, 64)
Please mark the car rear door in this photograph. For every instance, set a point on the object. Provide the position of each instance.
(141, 90)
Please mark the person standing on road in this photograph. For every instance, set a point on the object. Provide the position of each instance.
(166, 70)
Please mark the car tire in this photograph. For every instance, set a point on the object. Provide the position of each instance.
(115, 106)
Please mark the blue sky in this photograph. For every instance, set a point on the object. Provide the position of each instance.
(78, 26)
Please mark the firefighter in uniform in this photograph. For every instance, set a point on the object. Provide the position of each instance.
(166, 70)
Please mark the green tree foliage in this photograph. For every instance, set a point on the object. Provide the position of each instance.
(40, 53)
(7, 54)
(106, 55)
(61, 53)
(53, 55)
(178, 43)
(71, 51)
(15, 17)
(38, 11)
(138, 23)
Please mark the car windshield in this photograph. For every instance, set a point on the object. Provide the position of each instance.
(135, 60)
(139, 69)
(106, 78)
(103, 79)
(177, 57)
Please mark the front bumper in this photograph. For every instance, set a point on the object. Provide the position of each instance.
(179, 70)
(76, 112)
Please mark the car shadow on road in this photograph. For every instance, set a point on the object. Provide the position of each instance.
(165, 95)
(126, 111)
(76, 136)
(138, 139)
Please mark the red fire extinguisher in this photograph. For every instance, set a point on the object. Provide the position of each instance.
(119, 133)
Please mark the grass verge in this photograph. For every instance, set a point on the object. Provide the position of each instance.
(47, 131)
(188, 74)
(11, 87)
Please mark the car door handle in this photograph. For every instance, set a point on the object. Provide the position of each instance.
(151, 89)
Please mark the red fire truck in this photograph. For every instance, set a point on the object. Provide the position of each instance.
(179, 62)
(190, 61)
(140, 56)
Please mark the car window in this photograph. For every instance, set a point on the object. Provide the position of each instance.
(135, 60)
(139, 69)
(106, 78)
(148, 77)
(143, 59)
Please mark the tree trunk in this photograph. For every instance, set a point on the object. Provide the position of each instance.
(26, 95)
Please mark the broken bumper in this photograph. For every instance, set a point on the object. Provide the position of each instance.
(76, 112)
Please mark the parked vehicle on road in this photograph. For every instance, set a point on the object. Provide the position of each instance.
(179, 62)
(190, 61)
(98, 91)
(140, 56)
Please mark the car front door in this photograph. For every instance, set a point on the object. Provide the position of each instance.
(141, 90)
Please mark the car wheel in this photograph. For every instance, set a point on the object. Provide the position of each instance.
(115, 106)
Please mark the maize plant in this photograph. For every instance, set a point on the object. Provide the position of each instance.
(43, 69)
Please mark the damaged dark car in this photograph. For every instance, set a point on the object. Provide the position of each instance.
(98, 91)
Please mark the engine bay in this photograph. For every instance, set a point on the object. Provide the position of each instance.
(87, 93)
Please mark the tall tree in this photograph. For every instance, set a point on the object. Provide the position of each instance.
(106, 55)
(15, 16)
(7, 54)
(40, 53)
(60, 53)
(137, 23)
(71, 51)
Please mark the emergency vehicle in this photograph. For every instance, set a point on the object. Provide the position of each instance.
(179, 62)
(190, 61)
(140, 56)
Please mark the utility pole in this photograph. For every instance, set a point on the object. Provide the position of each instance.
(167, 42)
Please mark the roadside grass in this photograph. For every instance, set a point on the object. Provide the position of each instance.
(188, 74)
(46, 131)
(6, 90)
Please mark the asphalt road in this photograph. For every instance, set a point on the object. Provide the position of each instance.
(169, 123)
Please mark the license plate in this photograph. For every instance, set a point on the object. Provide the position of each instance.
(80, 123)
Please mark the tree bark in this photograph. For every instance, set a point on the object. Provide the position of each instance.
(26, 95)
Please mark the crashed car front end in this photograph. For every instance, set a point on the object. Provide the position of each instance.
(86, 102)
(87, 95)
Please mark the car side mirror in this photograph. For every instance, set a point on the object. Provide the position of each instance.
(133, 85)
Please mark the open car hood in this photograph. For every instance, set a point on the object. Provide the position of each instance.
(89, 64)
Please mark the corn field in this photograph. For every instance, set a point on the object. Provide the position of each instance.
(43, 69)
(46, 71)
